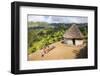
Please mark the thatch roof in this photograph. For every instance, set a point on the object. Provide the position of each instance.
(73, 32)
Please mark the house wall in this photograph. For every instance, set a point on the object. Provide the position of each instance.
(78, 42)
(69, 42)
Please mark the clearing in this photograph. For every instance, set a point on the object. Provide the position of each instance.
(61, 51)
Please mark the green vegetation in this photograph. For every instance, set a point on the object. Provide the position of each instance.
(41, 37)
(84, 30)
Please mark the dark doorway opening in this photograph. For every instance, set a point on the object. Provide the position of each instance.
(73, 41)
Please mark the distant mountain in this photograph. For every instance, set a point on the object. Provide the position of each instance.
(41, 25)
(68, 24)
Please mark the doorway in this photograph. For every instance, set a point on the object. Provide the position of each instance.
(73, 41)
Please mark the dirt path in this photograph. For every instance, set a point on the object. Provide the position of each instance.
(61, 51)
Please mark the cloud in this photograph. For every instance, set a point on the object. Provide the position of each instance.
(49, 19)
(36, 18)
(77, 19)
(58, 19)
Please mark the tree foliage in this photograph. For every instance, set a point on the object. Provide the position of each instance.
(39, 38)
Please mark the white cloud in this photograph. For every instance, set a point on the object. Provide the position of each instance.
(36, 18)
(58, 19)
(49, 19)
(77, 19)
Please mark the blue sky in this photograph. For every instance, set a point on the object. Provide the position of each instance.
(57, 19)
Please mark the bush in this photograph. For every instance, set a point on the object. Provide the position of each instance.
(44, 37)
(31, 50)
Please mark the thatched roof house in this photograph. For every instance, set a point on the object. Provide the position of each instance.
(73, 36)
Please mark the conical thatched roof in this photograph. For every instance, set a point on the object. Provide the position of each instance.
(73, 32)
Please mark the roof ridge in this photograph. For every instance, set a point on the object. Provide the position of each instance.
(73, 32)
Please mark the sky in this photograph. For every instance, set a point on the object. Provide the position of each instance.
(57, 19)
